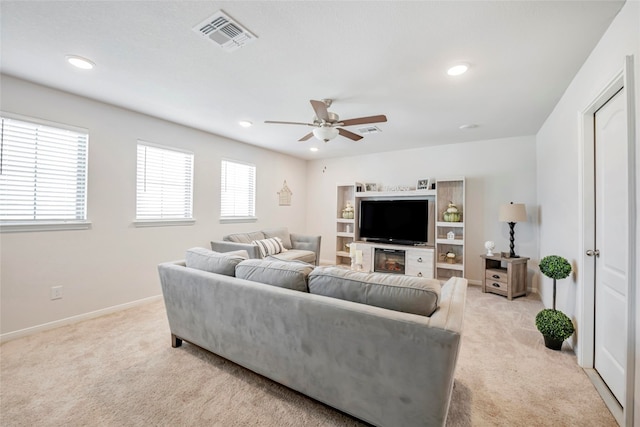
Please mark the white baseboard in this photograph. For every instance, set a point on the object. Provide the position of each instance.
(75, 319)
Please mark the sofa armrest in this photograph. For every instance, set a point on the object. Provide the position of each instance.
(224, 246)
(307, 243)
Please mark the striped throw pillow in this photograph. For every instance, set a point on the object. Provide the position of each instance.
(271, 246)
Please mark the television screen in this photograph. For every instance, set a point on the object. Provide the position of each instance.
(395, 221)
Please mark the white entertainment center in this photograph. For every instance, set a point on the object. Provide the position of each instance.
(412, 260)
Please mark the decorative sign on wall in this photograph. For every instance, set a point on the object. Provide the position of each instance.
(284, 195)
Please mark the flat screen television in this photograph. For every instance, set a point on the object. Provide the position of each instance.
(399, 221)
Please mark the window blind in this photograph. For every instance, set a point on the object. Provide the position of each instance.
(43, 173)
(164, 184)
(237, 192)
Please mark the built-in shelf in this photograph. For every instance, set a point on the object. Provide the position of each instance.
(449, 224)
(345, 227)
(344, 234)
(345, 221)
(407, 193)
(445, 241)
(446, 265)
(450, 191)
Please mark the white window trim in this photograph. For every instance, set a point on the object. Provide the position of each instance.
(20, 227)
(163, 222)
(35, 226)
(237, 219)
(166, 222)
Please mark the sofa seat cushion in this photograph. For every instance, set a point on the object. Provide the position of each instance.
(285, 274)
(415, 295)
(298, 255)
(214, 262)
(244, 237)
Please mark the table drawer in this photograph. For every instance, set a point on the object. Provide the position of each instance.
(419, 263)
(496, 287)
(423, 271)
(496, 276)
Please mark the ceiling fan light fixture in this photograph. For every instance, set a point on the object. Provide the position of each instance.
(458, 69)
(314, 149)
(325, 133)
(245, 123)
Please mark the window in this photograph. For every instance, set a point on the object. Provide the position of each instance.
(43, 175)
(237, 191)
(164, 186)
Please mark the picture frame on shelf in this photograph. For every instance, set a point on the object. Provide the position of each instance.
(370, 186)
(424, 184)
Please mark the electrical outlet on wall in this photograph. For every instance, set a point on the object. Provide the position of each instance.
(56, 292)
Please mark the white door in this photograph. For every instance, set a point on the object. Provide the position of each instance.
(612, 234)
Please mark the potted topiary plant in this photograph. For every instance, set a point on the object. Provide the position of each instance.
(554, 325)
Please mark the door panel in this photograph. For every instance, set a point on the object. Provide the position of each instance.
(612, 230)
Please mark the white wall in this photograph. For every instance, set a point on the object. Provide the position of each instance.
(559, 162)
(496, 172)
(114, 263)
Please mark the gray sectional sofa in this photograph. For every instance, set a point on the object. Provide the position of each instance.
(325, 331)
(295, 246)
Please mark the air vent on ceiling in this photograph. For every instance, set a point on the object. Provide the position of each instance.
(369, 129)
(222, 30)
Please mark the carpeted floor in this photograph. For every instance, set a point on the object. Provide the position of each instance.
(120, 370)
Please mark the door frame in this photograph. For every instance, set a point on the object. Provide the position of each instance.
(586, 289)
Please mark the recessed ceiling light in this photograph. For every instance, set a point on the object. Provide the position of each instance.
(245, 123)
(80, 62)
(456, 70)
(314, 149)
(468, 126)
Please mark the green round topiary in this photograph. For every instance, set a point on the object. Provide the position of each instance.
(554, 324)
(555, 267)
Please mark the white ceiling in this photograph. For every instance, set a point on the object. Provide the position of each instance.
(371, 57)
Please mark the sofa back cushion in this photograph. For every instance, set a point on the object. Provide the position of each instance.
(285, 274)
(282, 233)
(244, 237)
(214, 262)
(415, 295)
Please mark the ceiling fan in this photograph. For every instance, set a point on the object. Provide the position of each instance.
(328, 124)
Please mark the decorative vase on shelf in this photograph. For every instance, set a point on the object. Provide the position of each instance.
(489, 246)
(347, 212)
(449, 257)
(452, 214)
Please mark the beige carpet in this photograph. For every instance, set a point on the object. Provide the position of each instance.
(120, 370)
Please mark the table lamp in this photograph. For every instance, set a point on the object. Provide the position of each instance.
(512, 213)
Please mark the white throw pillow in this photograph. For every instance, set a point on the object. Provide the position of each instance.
(270, 246)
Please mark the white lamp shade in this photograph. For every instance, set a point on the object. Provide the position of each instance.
(325, 133)
(513, 212)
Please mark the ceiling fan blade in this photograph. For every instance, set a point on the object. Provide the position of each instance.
(348, 134)
(363, 120)
(321, 109)
(307, 136)
(289, 123)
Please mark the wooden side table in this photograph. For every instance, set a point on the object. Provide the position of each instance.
(505, 276)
